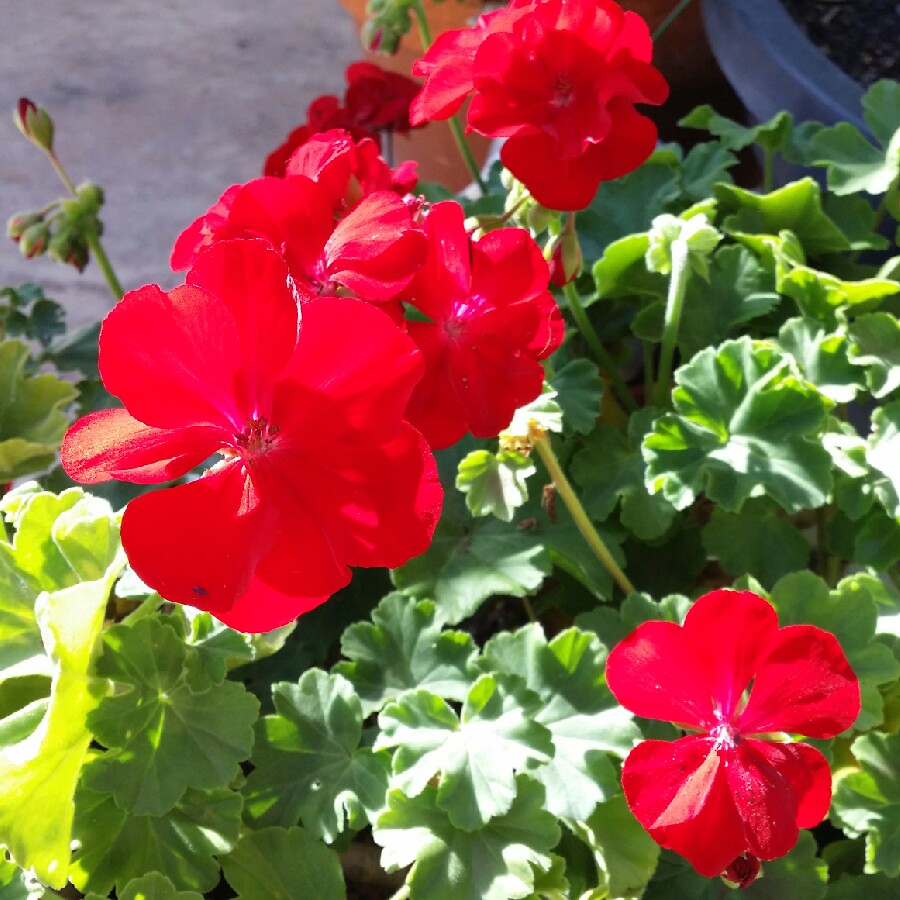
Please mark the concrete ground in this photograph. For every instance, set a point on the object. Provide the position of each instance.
(163, 103)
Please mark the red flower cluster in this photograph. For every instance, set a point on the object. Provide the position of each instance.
(559, 80)
(492, 320)
(306, 406)
(733, 789)
(278, 354)
(374, 100)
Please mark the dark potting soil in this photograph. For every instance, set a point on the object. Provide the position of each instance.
(858, 36)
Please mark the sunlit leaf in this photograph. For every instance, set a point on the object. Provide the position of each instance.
(471, 758)
(496, 862)
(403, 648)
(494, 483)
(308, 761)
(745, 425)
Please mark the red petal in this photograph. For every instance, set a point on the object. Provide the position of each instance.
(202, 231)
(263, 608)
(353, 371)
(652, 674)
(200, 543)
(375, 250)
(173, 359)
(764, 798)
(727, 634)
(807, 772)
(251, 280)
(113, 444)
(294, 214)
(678, 791)
(804, 685)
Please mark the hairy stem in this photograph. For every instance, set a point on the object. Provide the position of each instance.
(541, 442)
(674, 303)
(603, 359)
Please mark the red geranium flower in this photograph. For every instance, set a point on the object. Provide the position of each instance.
(323, 114)
(559, 79)
(373, 252)
(319, 471)
(734, 788)
(376, 98)
(349, 170)
(492, 320)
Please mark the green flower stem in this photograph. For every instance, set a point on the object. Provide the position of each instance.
(465, 151)
(402, 894)
(92, 239)
(601, 356)
(144, 609)
(541, 442)
(660, 29)
(674, 303)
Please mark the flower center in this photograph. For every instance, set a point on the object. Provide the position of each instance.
(256, 439)
(564, 92)
(726, 736)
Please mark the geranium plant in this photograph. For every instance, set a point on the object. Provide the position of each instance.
(537, 542)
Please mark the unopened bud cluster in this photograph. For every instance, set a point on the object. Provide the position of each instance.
(388, 21)
(62, 230)
(35, 123)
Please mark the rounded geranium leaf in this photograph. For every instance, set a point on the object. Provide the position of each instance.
(804, 685)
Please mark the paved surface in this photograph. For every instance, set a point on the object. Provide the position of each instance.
(164, 103)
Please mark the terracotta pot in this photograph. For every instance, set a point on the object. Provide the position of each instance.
(432, 146)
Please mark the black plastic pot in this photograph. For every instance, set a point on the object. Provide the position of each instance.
(772, 65)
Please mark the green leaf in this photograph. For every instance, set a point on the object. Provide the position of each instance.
(32, 421)
(494, 484)
(823, 358)
(579, 390)
(113, 847)
(278, 863)
(155, 887)
(745, 425)
(622, 270)
(771, 135)
(543, 411)
(470, 758)
(705, 165)
(867, 802)
(220, 647)
(877, 541)
(308, 762)
(38, 772)
(585, 721)
(854, 164)
(796, 207)
(609, 468)
(626, 205)
(404, 648)
(625, 855)
(755, 542)
(696, 234)
(466, 565)
(875, 345)
(860, 887)
(15, 884)
(497, 862)
(824, 296)
(849, 612)
(167, 729)
(883, 455)
(800, 874)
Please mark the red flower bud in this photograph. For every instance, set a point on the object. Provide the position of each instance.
(565, 260)
(35, 123)
(34, 239)
(743, 871)
(18, 222)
